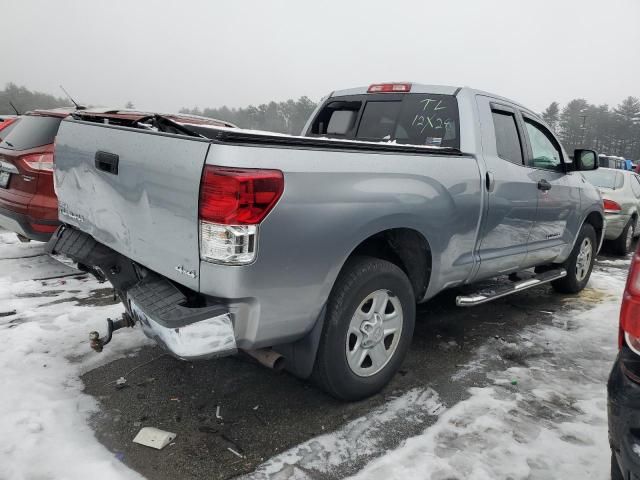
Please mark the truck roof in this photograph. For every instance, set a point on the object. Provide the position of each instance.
(435, 89)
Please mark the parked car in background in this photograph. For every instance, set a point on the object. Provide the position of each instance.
(28, 204)
(620, 190)
(5, 122)
(315, 249)
(629, 165)
(623, 386)
(612, 161)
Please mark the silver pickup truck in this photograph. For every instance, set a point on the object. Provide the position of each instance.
(311, 252)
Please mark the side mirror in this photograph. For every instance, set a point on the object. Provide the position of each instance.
(585, 160)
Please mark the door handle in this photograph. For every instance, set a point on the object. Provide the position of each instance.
(107, 162)
(544, 185)
(490, 181)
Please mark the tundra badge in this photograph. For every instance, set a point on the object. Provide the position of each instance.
(64, 210)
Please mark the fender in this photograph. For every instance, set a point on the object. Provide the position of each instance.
(599, 212)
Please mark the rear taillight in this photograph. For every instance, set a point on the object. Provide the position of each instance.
(389, 88)
(233, 201)
(610, 206)
(39, 161)
(630, 309)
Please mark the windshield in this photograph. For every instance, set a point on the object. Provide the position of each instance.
(30, 132)
(413, 119)
(604, 178)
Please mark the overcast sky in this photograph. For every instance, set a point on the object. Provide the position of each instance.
(164, 55)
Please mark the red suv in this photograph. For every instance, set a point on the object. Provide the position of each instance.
(28, 203)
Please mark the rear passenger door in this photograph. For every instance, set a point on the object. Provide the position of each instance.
(512, 195)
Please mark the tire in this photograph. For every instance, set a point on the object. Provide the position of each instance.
(622, 245)
(578, 267)
(354, 323)
(616, 474)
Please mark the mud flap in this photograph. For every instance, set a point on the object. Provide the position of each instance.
(301, 354)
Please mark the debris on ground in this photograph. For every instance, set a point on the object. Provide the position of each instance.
(235, 453)
(154, 437)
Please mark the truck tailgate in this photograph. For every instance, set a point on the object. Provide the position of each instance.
(136, 193)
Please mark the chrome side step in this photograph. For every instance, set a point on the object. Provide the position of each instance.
(484, 296)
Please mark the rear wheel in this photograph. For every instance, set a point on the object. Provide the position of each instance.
(367, 331)
(622, 244)
(580, 262)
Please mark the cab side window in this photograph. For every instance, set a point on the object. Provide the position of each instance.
(545, 149)
(508, 144)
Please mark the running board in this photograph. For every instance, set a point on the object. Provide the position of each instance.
(484, 296)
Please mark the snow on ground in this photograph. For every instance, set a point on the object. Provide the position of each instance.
(354, 442)
(544, 419)
(43, 350)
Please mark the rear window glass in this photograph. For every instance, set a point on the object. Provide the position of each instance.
(415, 119)
(378, 121)
(337, 119)
(508, 143)
(604, 178)
(31, 132)
(4, 131)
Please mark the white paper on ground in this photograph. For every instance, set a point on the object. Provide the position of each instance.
(154, 437)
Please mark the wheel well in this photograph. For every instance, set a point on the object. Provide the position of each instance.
(596, 221)
(404, 247)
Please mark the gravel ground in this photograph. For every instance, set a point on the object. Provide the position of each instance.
(264, 413)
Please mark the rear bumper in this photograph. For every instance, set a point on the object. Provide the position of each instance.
(188, 328)
(189, 333)
(24, 225)
(624, 417)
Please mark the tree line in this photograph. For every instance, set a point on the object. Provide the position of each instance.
(289, 116)
(25, 100)
(611, 131)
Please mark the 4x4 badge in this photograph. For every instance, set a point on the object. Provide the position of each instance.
(184, 271)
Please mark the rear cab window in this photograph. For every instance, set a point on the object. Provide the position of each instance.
(508, 142)
(30, 131)
(411, 118)
(5, 130)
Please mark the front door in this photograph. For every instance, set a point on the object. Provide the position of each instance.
(558, 200)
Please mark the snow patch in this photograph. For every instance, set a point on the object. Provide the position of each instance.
(358, 440)
(544, 417)
(43, 351)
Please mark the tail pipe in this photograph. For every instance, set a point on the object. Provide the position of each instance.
(268, 358)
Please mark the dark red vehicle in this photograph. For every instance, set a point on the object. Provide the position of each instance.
(28, 203)
(5, 121)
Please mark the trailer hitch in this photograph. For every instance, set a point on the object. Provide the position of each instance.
(97, 343)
